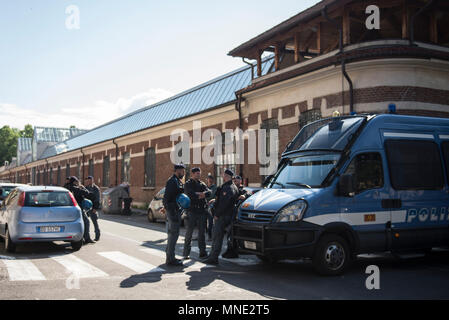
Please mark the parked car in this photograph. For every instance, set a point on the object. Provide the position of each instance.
(40, 214)
(154, 209)
(6, 188)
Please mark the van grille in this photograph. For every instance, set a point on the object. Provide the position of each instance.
(256, 216)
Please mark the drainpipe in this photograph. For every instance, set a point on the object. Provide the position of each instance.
(82, 174)
(252, 68)
(116, 162)
(238, 107)
(412, 21)
(343, 62)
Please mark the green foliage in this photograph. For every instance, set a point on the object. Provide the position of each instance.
(8, 141)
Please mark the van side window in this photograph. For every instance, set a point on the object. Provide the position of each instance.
(445, 147)
(368, 171)
(414, 165)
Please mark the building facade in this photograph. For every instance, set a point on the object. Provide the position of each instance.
(324, 59)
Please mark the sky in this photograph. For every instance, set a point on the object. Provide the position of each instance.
(125, 55)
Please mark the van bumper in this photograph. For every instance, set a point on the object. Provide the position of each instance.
(282, 241)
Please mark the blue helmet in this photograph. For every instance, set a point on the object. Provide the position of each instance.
(183, 201)
(86, 204)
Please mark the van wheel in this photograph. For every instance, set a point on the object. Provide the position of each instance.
(151, 216)
(76, 245)
(9, 245)
(332, 255)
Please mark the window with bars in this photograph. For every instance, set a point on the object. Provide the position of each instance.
(150, 168)
(106, 163)
(91, 167)
(58, 176)
(78, 170)
(309, 116)
(67, 170)
(126, 166)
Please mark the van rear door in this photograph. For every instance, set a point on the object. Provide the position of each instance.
(418, 197)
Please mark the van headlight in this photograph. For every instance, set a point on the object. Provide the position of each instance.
(292, 212)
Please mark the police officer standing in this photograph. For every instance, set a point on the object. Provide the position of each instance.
(95, 190)
(173, 188)
(225, 201)
(210, 217)
(80, 193)
(231, 251)
(197, 191)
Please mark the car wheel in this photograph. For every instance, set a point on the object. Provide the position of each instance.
(332, 255)
(9, 245)
(151, 217)
(76, 245)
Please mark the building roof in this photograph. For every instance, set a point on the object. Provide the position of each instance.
(308, 14)
(42, 134)
(207, 96)
(24, 144)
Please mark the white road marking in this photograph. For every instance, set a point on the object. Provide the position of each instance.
(7, 258)
(132, 263)
(155, 252)
(78, 267)
(23, 270)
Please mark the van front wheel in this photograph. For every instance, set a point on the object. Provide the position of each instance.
(332, 255)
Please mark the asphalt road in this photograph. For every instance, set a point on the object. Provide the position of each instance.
(128, 263)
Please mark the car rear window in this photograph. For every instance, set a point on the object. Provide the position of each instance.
(47, 199)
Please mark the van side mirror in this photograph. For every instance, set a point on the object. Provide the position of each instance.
(347, 185)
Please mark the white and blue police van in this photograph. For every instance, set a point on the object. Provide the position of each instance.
(353, 185)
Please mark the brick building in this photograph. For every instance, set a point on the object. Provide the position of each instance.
(321, 60)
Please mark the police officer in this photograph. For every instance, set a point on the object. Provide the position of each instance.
(231, 251)
(173, 188)
(197, 191)
(210, 217)
(80, 193)
(225, 201)
(95, 190)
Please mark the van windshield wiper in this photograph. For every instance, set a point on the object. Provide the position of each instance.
(280, 184)
(300, 184)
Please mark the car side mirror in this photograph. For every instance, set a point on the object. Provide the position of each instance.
(347, 185)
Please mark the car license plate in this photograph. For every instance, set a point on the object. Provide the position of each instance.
(250, 245)
(49, 229)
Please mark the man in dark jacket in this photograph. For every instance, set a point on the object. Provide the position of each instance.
(231, 251)
(225, 201)
(210, 217)
(95, 190)
(173, 188)
(197, 191)
(80, 193)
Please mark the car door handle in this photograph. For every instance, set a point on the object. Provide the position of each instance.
(391, 203)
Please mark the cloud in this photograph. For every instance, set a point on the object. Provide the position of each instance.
(85, 117)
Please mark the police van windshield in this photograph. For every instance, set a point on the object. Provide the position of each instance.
(305, 171)
(329, 134)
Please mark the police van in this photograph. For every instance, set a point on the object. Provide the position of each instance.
(353, 185)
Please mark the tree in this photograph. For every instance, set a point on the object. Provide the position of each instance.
(27, 132)
(8, 141)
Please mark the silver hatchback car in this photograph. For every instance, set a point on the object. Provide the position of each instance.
(40, 214)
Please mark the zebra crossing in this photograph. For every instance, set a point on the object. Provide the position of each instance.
(59, 267)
